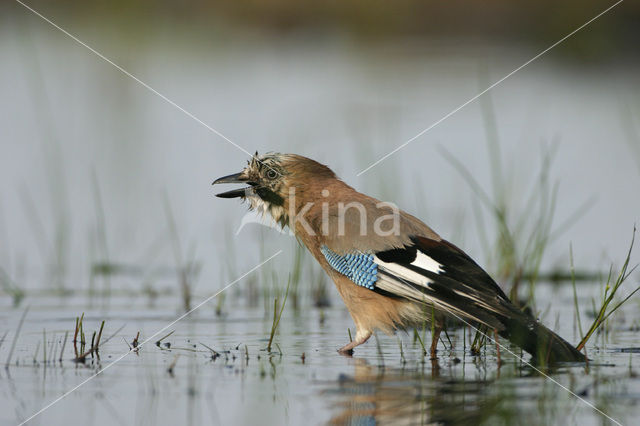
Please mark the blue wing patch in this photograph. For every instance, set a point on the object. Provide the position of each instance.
(359, 267)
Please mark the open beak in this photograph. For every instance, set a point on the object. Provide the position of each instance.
(234, 193)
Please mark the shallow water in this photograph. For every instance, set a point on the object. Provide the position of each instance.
(379, 385)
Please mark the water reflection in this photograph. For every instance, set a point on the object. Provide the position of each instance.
(382, 395)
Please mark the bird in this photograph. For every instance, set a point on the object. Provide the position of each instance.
(391, 269)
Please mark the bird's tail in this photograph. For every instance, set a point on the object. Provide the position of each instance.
(545, 345)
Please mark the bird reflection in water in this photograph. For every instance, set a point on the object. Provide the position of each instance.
(381, 395)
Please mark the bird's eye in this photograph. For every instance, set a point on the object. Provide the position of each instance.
(272, 174)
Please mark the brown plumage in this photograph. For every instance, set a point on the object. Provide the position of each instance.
(391, 270)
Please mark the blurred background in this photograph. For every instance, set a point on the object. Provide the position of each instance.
(98, 175)
(107, 214)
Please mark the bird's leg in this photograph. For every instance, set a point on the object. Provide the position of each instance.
(495, 337)
(361, 337)
(434, 340)
(435, 368)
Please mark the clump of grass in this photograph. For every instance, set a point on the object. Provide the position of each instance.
(81, 356)
(96, 338)
(610, 290)
(277, 315)
(78, 331)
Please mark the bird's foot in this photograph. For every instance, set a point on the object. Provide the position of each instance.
(345, 351)
(361, 337)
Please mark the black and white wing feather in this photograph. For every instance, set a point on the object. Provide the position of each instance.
(440, 274)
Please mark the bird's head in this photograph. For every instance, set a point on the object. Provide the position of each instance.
(272, 178)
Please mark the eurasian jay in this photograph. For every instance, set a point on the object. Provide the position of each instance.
(391, 270)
